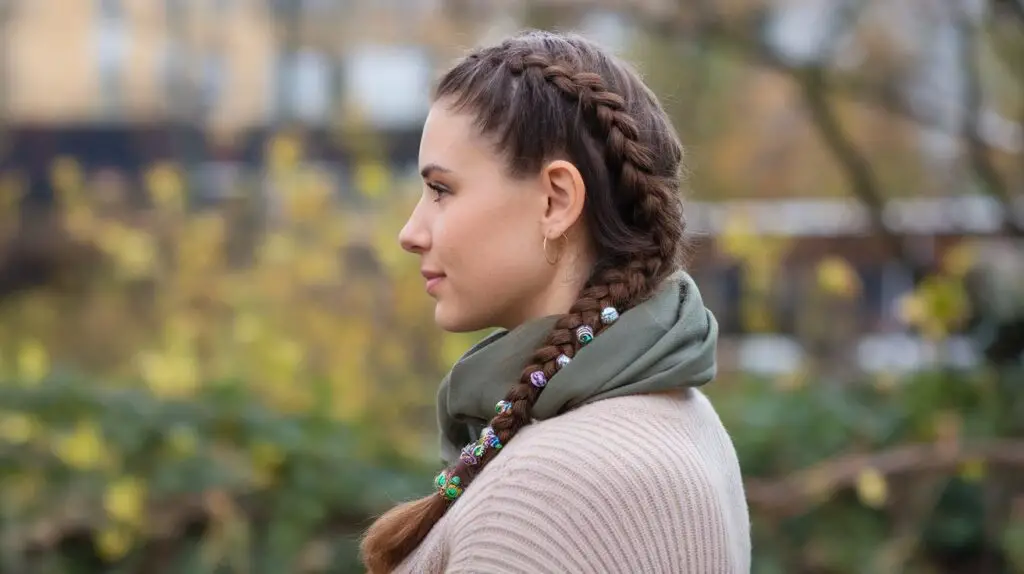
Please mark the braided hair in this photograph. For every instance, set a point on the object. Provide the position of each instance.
(542, 96)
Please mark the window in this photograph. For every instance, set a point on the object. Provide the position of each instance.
(111, 45)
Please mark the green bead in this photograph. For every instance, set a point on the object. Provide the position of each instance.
(456, 480)
(586, 338)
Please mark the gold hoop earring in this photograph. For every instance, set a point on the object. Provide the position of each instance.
(558, 257)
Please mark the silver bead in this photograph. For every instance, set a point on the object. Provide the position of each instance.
(609, 315)
(562, 360)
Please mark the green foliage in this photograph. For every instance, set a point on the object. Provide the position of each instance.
(918, 474)
(259, 487)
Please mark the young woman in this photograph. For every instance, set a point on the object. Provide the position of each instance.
(575, 437)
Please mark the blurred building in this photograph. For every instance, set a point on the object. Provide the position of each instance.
(119, 83)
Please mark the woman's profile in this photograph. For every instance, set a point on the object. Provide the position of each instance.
(575, 436)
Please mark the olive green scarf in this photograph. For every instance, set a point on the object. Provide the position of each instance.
(667, 342)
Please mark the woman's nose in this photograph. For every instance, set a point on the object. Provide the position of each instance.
(414, 236)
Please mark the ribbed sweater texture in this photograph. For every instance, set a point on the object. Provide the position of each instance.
(643, 484)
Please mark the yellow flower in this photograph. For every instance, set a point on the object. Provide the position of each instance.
(114, 542)
(911, 309)
(136, 254)
(16, 428)
(284, 151)
(372, 178)
(124, 500)
(737, 240)
(169, 375)
(837, 277)
(166, 187)
(872, 489)
(83, 448)
(33, 361)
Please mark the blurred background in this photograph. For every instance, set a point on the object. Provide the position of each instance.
(214, 356)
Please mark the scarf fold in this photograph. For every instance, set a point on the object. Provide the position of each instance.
(668, 342)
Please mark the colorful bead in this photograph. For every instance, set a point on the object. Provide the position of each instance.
(450, 487)
(490, 439)
(468, 456)
(502, 407)
(609, 315)
(562, 360)
(538, 379)
(584, 334)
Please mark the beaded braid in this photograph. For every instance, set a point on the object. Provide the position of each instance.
(613, 288)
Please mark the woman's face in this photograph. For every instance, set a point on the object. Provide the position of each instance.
(478, 232)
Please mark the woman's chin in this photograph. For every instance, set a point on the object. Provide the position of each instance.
(449, 319)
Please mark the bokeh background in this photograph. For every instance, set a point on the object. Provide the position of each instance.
(214, 356)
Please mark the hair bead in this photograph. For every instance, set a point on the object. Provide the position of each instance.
(562, 360)
(609, 315)
(487, 437)
(448, 486)
(584, 334)
(502, 407)
(538, 379)
(468, 454)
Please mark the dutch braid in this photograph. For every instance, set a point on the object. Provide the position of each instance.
(646, 197)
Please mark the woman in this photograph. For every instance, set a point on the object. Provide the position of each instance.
(551, 211)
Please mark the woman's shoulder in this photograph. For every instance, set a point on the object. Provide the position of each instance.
(625, 473)
(672, 443)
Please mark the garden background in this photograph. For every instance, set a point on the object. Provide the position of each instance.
(214, 356)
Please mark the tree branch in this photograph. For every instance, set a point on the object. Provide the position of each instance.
(743, 38)
(863, 183)
(977, 149)
(801, 490)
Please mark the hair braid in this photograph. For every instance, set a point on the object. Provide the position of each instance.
(655, 196)
(646, 197)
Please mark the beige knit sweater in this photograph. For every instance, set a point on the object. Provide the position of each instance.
(643, 484)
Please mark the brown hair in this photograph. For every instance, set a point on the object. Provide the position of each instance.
(541, 96)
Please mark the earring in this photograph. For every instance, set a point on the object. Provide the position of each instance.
(544, 246)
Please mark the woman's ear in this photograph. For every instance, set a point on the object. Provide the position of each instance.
(566, 195)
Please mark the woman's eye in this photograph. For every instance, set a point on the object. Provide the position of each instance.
(439, 191)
